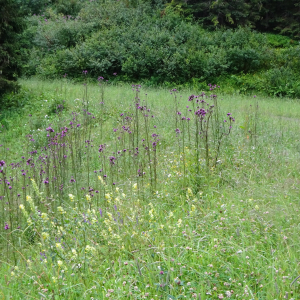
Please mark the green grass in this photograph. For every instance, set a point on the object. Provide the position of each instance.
(231, 231)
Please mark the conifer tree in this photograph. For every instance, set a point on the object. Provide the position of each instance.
(11, 25)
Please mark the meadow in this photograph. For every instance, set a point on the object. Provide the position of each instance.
(113, 191)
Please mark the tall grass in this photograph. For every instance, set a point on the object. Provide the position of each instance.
(124, 192)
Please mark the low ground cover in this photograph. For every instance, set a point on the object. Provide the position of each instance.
(124, 192)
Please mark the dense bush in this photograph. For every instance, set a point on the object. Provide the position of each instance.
(139, 44)
(156, 46)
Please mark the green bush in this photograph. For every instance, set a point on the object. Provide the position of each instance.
(141, 43)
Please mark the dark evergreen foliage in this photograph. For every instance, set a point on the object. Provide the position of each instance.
(11, 25)
(281, 16)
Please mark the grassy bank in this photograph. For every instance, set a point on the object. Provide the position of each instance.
(134, 196)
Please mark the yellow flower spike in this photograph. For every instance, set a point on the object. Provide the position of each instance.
(22, 207)
(179, 223)
(58, 246)
(102, 181)
(45, 235)
(60, 209)
(107, 196)
(134, 186)
(44, 216)
(88, 198)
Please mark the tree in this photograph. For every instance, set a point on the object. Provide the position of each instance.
(12, 23)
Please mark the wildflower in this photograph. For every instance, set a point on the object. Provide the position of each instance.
(107, 196)
(190, 192)
(71, 197)
(151, 211)
(54, 279)
(60, 209)
(101, 179)
(228, 294)
(256, 207)
(110, 216)
(88, 198)
(89, 249)
(59, 263)
(44, 216)
(74, 252)
(220, 296)
(45, 235)
(179, 223)
(21, 207)
(134, 186)
(58, 246)
(6, 227)
(193, 209)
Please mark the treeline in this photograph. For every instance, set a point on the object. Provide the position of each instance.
(277, 16)
(153, 42)
(280, 16)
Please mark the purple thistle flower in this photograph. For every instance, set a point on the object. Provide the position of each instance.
(6, 227)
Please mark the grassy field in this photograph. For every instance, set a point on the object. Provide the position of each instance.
(124, 192)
